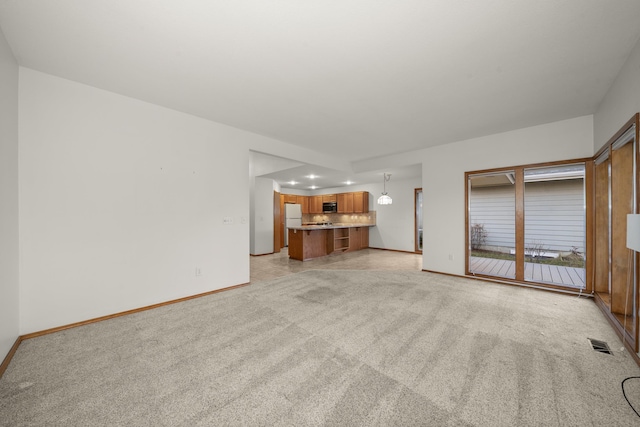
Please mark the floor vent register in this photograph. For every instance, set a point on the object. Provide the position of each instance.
(600, 346)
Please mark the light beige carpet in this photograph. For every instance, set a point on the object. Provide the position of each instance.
(332, 348)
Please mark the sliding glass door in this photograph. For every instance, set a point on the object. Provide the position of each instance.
(554, 225)
(528, 224)
(491, 223)
(616, 265)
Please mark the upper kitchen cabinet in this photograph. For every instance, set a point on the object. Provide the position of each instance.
(361, 202)
(315, 204)
(345, 203)
(304, 202)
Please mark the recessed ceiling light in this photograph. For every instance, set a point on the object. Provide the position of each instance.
(312, 176)
(313, 187)
(292, 182)
(349, 182)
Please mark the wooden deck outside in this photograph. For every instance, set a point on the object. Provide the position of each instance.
(543, 273)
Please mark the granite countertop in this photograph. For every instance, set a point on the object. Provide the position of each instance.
(329, 227)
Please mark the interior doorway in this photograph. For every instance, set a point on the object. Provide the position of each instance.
(418, 220)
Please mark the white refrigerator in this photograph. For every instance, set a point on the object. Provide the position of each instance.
(292, 218)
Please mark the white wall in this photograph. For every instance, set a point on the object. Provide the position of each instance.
(395, 222)
(9, 259)
(263, 216)
(443, 183)
(621, 101)
(121, 200)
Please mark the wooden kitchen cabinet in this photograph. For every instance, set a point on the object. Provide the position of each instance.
(361, 202)
(364, 237)
(357, 202)
(358, 238)
(314, 242)
(309, 244)
(304, 202)
(354, 239)
(315, 204)
(341, 239)
(345, 202)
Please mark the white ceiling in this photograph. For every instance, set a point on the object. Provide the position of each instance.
(350, 78)
(296, 175)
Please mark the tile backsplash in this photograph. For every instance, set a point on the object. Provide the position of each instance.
(368, 218)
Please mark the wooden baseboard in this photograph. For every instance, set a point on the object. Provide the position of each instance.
(395, 250)
(125, 313)
(9, 356)
(21, 338)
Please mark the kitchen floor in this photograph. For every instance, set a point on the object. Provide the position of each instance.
(267, 267)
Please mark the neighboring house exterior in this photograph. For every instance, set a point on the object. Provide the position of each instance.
(554, 215)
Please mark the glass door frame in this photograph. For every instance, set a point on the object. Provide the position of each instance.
(609, 291)
(520, 224)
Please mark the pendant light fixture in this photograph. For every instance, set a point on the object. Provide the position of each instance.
(385, 199)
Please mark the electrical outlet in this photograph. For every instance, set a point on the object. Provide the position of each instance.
(198, 272)
(450, 257)
(227, 220)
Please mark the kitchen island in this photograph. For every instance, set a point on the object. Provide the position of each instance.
(315, 241)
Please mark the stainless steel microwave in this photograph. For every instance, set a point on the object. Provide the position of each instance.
(329, 207)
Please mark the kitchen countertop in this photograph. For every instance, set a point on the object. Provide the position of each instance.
(329, 227)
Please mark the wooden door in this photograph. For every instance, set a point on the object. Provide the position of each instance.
(417, 220)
